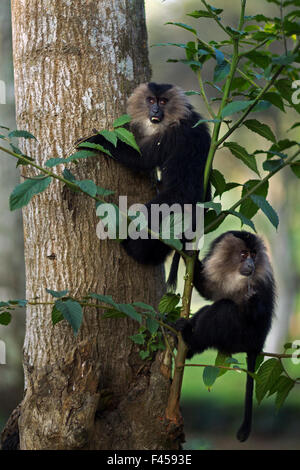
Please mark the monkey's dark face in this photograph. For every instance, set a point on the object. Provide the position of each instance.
(153, 107)
(247, 262)
(156, 106)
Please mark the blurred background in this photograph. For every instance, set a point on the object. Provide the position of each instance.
(211, 418)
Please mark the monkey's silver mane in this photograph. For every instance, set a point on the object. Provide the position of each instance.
(220, 270)
(177, 108)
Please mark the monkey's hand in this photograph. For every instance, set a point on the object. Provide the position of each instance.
(180, 324)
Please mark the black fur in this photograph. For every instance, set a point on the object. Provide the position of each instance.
(180, 152)
(232, 326)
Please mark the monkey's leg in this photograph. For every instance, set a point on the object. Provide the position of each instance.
(245, 429)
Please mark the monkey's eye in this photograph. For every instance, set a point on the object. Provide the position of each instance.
(253, 254)
(151, 100)
(244, 254)
(163, 101)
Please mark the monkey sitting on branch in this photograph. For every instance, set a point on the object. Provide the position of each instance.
(163, 123)
(237, 276)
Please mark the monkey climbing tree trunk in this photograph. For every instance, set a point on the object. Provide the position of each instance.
(75, 64)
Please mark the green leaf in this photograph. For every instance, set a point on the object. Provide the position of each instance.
(216, 206)
(275, 99)
(104, 192)
(72, 312)
(221, 71)
(127, 137)
(24, 134)
(218, 181)
(209, 218)
(248, 208)
(56, 161)
(130, 312)
(184, 26)
(296, 168)
(120, 121)
(5, 318)
(243, 219)
(81, 154)
(88, 186)
(58, 294)
(272, 165)
(261, 129)
(267, 209)
(221, 360)
(144, 354)
(242, 154)
(267, 375)
(110, 136)
(235, 107)
(138, 338)
(23, 193)
(284, 386)
(152, 325)
(210, 375)
(201, 14)
(168, 303)
(144, 306)
(107, 299)
(56, 315)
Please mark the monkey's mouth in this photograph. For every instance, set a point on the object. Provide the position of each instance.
(155, 119)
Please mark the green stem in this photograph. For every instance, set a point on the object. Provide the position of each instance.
(173, 412)
(204, 96)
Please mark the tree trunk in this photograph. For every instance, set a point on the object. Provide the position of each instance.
(75, 64)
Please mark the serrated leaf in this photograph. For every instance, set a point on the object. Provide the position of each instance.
(130, 312)
(210, 375)
(138, 338)
(235, 107)
(110, 136)
(266, 376)
(24, 134)
(184, 26)
(121, 121)
(275, 99)
(284, 387)
(201, 14)
(88, 186)
(57, 294)
(244, 220)
(56, 161)
(168, 303)
(127, 137)
(107, 299)
(56, 316)
(296, 169)
(248, 208)
(144, 354)
(261, 129)
(5, 318)
(221, 71)
(86, 153)
(72, 312)
(152, 325)
(241, 153)
(216, 206)
(144, 306)
(272, 165)
(267, 209)
(24, 192)
(218, 181)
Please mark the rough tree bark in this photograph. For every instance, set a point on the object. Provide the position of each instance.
(75, 64)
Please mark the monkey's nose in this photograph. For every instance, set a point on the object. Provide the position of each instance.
(248, 267)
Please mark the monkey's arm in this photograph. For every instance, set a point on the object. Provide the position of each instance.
(215, 326)
(124, 154)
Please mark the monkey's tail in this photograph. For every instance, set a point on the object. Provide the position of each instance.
(172, 279)
(245, 429)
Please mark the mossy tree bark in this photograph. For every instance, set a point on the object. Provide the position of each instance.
(75, 64)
